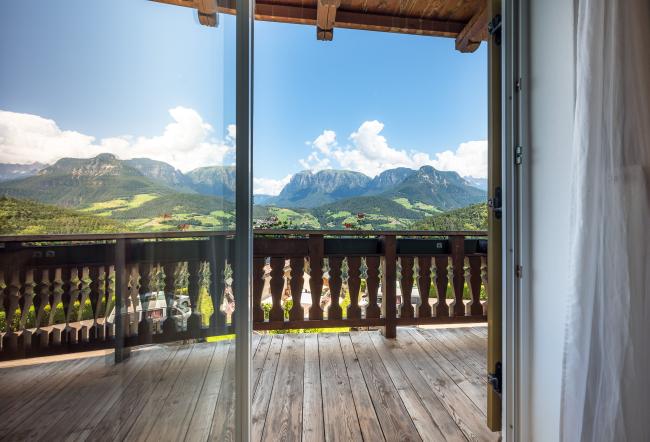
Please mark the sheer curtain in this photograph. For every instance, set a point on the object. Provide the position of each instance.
(606, 384)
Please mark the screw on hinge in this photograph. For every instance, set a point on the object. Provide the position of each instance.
(518, 155)
(518, 271)
(518, 84)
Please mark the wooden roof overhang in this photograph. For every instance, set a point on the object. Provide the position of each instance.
(464, 20)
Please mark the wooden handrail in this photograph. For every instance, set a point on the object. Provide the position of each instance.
(302, 279)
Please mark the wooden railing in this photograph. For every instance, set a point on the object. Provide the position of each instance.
(63, 294)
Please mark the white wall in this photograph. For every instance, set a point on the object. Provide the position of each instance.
(551, 123)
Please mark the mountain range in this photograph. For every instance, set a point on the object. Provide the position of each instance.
(148, 194)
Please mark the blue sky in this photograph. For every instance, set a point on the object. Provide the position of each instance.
(143, 78)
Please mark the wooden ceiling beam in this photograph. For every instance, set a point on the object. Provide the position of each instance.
(326, 18)
(476, 31)
(282, 13)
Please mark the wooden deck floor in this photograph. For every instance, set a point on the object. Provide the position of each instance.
(428, 384)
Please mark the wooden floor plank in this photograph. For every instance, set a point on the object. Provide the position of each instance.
(468, 417)
(393, 416)
(119, 418)
(146, 418)
(110, 388)
(312, 408)
(173, 419)
(368, 420)
(46, 395)
(454, 345)
(339, 413)
(283, 420)
(199, 427)
(223, 420)
(429, 415)
(457, 368)
(264, 389)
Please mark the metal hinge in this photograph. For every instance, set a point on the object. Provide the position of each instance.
(495, 379)
(494, 28)
(519, 271)
(519, 153)
(518, 84)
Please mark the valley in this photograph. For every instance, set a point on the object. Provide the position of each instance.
(106, 194)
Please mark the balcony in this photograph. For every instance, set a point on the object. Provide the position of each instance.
(69, 302)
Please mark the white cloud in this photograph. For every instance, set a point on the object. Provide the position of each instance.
(370, 153)
(186, 143)
(470, 159)
(269, 186)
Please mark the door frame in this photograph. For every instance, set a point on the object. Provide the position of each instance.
(516, 218)
(243, 253)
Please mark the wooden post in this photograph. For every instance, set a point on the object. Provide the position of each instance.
(316, 252)
(388, 282)
(122, 351)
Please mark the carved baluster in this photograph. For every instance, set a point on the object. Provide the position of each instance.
(458, 273)
(132, 300)
(474, 284)
(442, 280)
(70, 294)
(277, 284)
(335, 311)
(95, 295)
(11, 301)
(84, 292)
(484, 278)
(27, 296)
(169, 326)
(145, 326)
(55, 300)
(109, 301)
(25, 302)
(354, 285)
(217, 284)
(316, 253)
(372, 285)
(193, 288)
(40, 337)
(406, 285)
(424, 285)
(296, 284)
(258, 288)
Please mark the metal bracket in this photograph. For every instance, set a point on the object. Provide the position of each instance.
(495, 203)
(495, 379)
(518, 155)
(494, 28)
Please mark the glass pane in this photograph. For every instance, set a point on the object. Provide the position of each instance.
(117, 216)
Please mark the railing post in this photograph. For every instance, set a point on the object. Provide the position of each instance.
(388, 282)
(121, 289)
(217, 255)
(458, 270)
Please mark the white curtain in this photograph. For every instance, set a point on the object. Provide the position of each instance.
(606, 384)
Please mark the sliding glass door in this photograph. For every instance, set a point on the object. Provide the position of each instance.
(125, 206)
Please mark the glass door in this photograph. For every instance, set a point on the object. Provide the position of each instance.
(125, 198)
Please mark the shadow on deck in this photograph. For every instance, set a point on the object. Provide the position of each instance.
(428, 384)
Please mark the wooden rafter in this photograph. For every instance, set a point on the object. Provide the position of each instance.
(470, 38)
(438, 18)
